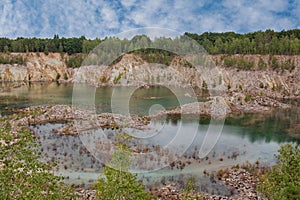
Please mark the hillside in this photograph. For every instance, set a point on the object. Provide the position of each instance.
(262, 75)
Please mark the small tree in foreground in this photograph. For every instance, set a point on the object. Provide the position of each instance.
(117, 182)
(283, 181)
(22, 175)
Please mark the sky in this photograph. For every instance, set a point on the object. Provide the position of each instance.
(100, 18)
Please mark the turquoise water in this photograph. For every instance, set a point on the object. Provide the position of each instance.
(250, 137)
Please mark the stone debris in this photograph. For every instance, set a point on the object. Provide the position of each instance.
(243, 183)
(84, 194)
(220, 107)
(80, 120)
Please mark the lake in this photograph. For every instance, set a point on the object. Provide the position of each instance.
(243, 137)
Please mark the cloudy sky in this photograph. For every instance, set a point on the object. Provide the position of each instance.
(100, 18)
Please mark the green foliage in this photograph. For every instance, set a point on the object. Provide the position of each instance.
(118, 183)
(204, 85)
(74, 61)
(46, 45)
(238, 62)
(283, 180)
(191, 184)
(22, 176)
(155, 55)
(11, 59)
(259, 42)
(5, 49)
(247, 98)
(274, 63)
(89, 45)
(46, 50)
(65, 76)
(261, 64)
(58, 76)
(103, 79)
(118, 78)
(288, 65)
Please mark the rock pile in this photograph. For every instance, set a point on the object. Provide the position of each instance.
(82, 120)
(219, 107)
(243, 182)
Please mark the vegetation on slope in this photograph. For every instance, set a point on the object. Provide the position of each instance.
(22, 175)
(259, 42)
(283, 181)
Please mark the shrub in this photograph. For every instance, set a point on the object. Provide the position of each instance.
(283, 180)
(261, 64)
(57, 76)
(118, 182)
(22, 176)
(240, 63)
(65, 76)
(74, 61)
(118, 78)
(274, 63)
(247, 98)
(11, 59)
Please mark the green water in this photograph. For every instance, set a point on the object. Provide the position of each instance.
(52, 93)
(253, 136)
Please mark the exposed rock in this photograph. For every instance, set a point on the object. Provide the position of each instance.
(83, 120)
(220, 107)
(131, 69)
(280, 83)
(37, 67)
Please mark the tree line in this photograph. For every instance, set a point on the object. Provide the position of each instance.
(259, 42)
(46, 45)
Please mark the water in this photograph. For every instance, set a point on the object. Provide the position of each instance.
(244, 137)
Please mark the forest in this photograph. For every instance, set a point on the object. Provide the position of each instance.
(285, 42)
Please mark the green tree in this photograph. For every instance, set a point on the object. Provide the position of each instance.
(6, 49)
(283, 181)
(60, 48)
(117, 182)
(22, 176)
(261, 63)
(46, 50)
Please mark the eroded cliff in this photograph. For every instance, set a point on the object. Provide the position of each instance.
(263, 79)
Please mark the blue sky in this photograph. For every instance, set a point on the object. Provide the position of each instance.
(100, 18)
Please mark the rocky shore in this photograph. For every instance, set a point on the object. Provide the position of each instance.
(81, 120)
(131, 69)
(241, 182)
(220, 107)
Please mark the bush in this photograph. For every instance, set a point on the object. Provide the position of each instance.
(274, 63)
(240, 63)
(57, 76)
(75, 61)
(283, 180)
(11, 59)
(118, 182)
(261, 64)
(22, 176)
(247, 98)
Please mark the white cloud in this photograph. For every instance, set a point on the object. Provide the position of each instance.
(128, 3)
(94, 18)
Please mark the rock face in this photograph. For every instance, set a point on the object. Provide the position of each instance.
(37, 67)
(131, 69)
(272, 83)
(268, 82)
